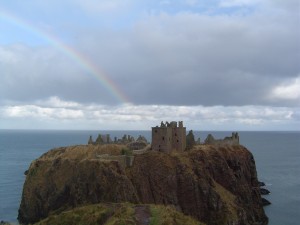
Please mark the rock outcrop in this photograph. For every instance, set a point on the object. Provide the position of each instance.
(264, 191)
(214, 184)
(265, 202)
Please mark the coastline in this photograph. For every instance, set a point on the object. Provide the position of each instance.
(277, 172)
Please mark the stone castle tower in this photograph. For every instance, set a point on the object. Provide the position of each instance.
(169, 137)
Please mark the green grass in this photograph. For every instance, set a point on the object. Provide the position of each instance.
(167, 215)
(126, 151)
(154, 216)
(86, 215)
(123, 215)
(117, 214)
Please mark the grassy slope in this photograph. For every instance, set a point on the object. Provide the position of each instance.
(117, 214)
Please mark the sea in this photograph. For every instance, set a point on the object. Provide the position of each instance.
(277, 156)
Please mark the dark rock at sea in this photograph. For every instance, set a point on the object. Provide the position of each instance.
(265, 202)
(215, 184)
(264, 191)
(261, 184)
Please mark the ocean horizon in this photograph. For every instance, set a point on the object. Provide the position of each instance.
(276, 153)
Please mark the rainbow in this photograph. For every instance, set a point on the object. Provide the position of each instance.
(81, 60)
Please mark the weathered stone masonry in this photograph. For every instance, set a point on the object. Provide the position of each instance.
(169, 137)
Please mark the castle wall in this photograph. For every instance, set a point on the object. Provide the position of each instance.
(179, 139)
(124, 160)
(169, 137)
(162, 139)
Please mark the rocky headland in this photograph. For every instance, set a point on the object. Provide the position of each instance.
(210, 183)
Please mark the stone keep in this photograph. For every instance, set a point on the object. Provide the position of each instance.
(169, 137)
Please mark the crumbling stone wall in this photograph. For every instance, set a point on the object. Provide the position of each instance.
(233, 140)
(106, 139)
(169, 137)
(124, 160)
(136, 145)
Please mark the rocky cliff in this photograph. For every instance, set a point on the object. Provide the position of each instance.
(214, 184)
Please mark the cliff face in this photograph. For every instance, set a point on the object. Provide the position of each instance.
(216, 185)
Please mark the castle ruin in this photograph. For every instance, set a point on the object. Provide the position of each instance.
(233, 140)
(169, 137)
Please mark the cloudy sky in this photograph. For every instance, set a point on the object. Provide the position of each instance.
(129, 64)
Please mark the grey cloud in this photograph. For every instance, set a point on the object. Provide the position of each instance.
(296, 116)
(30, 73)
(191, 59)
(62, 114)
(181, 59)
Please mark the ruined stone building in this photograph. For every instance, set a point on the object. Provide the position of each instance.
(233, 140)
(105, 139)
(169, 137)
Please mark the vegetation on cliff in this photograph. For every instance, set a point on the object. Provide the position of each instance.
(213, 184)
(120, 214)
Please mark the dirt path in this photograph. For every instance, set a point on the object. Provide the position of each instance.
(142, 214)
